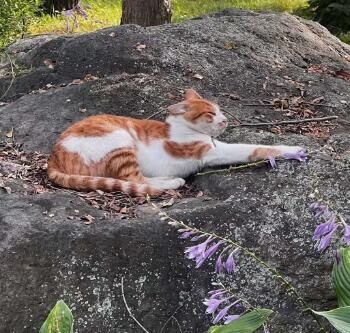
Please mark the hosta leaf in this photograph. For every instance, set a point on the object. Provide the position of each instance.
(59, 320)
(339, 318)
(341, 277)
(247, 323)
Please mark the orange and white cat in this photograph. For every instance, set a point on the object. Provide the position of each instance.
(138, 157)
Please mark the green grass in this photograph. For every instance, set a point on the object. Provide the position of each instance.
(345, 37)
(105, 13)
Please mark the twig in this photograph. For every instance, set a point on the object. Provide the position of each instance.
(272, 270)
(232, 115)
(257, 104)
(286, 122)
(129, 311)
(177, 322)
(232, 168)
(12, 79)
(172, 316)
(155, 114)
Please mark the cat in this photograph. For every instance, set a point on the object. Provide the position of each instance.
(140, 157)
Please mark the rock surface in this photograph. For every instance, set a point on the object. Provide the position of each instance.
(238, 58)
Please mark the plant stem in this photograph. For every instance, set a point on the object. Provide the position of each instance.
(284, 282)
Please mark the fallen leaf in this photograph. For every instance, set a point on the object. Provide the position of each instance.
(88, 219)
(82, 110)
(9, 134)
(228, 46)
(199, 194)
(50, 63)
(198, 76)
(77, 82)
(169, 203)
(124, 210)
(7, 189)
(140, 47)
(317, 100)
(112, 34)
(343, 75)
(90, 77)
(51, 215)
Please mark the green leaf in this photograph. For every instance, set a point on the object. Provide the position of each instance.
(59, 320)
(341, 277)
(339, 318)
(247, 323)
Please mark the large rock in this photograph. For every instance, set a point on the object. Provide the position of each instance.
(48, 253)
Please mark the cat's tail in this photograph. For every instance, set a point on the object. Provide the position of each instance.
(91, 183)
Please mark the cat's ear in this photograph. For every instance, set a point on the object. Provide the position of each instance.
(178, 108)
(192, 94)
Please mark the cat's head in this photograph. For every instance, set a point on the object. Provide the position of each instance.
(199, 114)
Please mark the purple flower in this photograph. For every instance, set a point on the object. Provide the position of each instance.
(346, 236)
(218, 265)
(272, 162)
(300, 156)
(326, 240)
(198, 252)
(212, 304)
(231, 318)
(217, 293)
(195, 238)
(186, 234)
(230, 263)
(209, 253)
(320, 210)
(324, 228)
(222, 313)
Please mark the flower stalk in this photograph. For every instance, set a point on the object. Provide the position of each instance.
(213, 236)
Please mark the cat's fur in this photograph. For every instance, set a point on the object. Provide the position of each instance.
(139, 157)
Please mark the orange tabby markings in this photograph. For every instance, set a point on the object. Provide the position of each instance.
(194, 150)
(138, 157)
(263, 153)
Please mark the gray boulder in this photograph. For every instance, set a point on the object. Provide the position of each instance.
(258, 67)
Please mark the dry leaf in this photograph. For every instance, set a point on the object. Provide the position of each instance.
(112, 34)
(9, 134)
(317, 100)
(77, 82)
(199, 194)
(51, 215)
(82, 110)
(169, 203)
(124, 210)
(50, 63)
(343, 75)
(88, 219)
(90, 77)
(140, 47)
(228, 46)
(7, 189)
(198, 76)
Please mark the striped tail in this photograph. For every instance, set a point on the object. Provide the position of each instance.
(91, 183)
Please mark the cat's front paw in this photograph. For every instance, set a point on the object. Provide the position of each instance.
(294, 153)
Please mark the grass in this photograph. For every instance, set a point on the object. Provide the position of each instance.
(105, 13)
